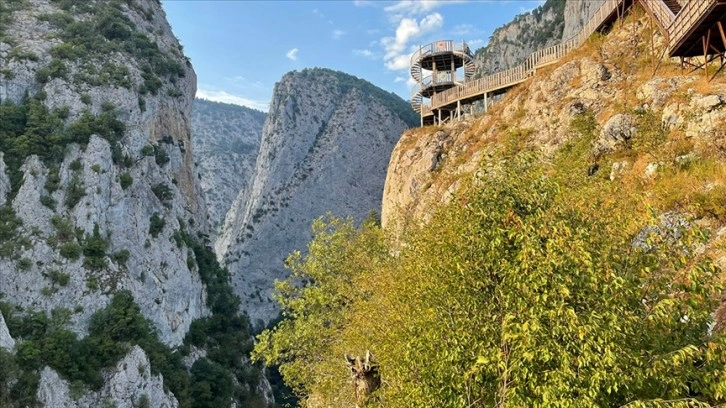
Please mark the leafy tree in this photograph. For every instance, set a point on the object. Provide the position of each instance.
(512, 295)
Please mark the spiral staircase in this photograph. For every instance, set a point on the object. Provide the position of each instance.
(436, 67)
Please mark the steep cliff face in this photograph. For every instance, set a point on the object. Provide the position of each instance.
(121, 156)
(325, 147)
(225, 140)
(542, 27)
(97, 178)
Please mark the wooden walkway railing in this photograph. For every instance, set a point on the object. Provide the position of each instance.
(516, 75)
(675, 28)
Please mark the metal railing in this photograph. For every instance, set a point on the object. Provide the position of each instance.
(439, 47)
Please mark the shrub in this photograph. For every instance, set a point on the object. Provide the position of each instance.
(160, 156)
(94, 250)
(58, 277)
(121, 257)
(156, 225)
(125, 180)
(48, 201)
(75, 191)
(24, 264)
(162, 192)
(70, 250)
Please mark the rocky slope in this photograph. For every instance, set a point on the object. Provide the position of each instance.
(325, 147)
(225, 141)
(100, 204)
(544, 26)
(659, 138)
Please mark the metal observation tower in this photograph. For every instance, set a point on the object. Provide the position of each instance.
(437, 67)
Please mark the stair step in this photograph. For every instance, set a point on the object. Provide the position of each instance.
(673, 5)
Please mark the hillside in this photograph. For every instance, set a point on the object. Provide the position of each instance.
(565, 249)
(325, 147)
(225, 142)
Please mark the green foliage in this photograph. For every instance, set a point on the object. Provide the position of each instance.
(160, 156)
(75, 191)
(59, 278)
(514, 294)
(104, 30)
(125, 180)
(9, 231)
(48, 201)
(70, 250)
(225, 335)
(121, 257)
(24, 264)
(156, 225)
(212, 385)
(147, 150)
(162, 192)
(94, 250)
(30, 128)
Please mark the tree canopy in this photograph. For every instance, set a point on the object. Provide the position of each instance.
(512, 295)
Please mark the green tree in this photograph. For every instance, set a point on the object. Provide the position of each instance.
(512, 295)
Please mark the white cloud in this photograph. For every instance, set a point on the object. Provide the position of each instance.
(365, 53)
(222, 96)
(292, 54)
(337, 34)
(399, 79)
(408, 8)
(477, 43)
(408, 29)
(363, 3)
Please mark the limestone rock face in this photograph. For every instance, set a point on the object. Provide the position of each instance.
(325, 147)
(616, 131)
(547, 25)
(153, 105)
(225, 139)
(129, 383)
(4, 181)
(6, 341)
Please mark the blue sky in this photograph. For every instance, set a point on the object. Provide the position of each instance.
(239, 49)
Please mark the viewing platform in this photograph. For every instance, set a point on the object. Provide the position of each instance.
(692, 28)
(437, 67)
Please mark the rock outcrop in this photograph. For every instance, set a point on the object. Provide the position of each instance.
(546, 25)
(325, 148)
(129, 384)
(225, 141)
(6, 341)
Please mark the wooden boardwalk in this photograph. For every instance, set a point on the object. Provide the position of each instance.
(694, 29)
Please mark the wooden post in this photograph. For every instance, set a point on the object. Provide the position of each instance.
(486, 102)
(706, 43)
(458, 109)
(439, 116)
